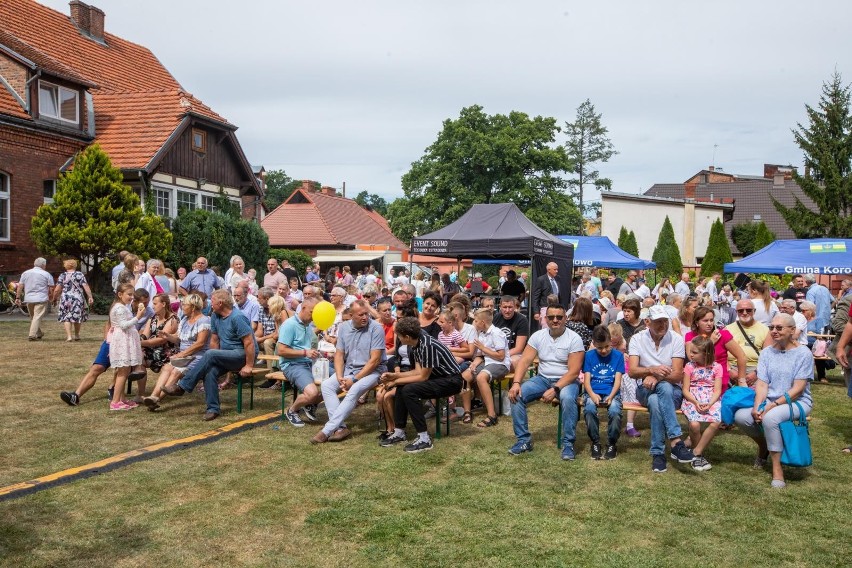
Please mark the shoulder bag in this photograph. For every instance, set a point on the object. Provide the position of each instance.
(797, 441)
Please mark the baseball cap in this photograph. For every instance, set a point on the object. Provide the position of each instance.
(657, 312)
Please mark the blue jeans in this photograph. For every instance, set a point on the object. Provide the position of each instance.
(662, 402)
(212, 365)
(531, 391)
(613, 428)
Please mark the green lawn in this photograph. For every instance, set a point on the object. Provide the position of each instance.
(266, 497)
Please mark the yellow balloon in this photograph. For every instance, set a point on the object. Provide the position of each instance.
(324, 314)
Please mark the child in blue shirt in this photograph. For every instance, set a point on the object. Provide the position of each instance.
(602, 370)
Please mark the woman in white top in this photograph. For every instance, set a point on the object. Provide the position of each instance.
(764, 306)
(236, 273)
(664, 287)
(419, 283)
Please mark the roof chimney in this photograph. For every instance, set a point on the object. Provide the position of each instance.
(88, 19)
(326, 190)
(778, 179)
(712, 168)
(80, 15)
(96, 23)
(689, 190)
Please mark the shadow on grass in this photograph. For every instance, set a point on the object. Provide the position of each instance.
(27, 537)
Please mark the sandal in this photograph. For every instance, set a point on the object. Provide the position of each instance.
(488, 422)
(467, 418)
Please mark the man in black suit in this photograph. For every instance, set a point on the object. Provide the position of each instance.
(545, 285)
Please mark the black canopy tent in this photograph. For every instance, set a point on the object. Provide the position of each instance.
(500, 231)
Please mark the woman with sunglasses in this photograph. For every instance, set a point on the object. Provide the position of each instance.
(785, 371)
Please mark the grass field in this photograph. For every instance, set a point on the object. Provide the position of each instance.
(267, 498)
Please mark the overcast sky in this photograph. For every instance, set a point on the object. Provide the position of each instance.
(354, 92)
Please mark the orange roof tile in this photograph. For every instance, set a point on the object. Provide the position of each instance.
(310, 219)
(138, 103)
(10, 105)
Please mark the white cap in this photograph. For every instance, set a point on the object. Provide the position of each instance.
(657, 312)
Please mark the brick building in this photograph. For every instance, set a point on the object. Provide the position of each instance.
(64, 83)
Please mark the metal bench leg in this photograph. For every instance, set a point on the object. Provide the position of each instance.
(239, 394)
(438, 419)
(559, 429)
(251, 393)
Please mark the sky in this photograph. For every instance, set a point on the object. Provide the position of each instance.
(354, 92)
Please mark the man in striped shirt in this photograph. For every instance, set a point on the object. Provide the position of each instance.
(435, 375)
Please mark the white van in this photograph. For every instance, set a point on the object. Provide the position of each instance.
(391, 267)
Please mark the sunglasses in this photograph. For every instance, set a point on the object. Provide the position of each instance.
(777, 327)
(555, 318)
(745, 311)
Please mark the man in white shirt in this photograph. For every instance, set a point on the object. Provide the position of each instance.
(642, 289)
(116, 270)
(656, 362)
(682, 287)
(712, 288)
(560, 353)
(789, 307)
(34, 288)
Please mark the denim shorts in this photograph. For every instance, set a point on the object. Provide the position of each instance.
(102, 357)
(299, 374)
(495, 372)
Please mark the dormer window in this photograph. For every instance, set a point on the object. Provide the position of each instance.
(58, 102)
(199, 140)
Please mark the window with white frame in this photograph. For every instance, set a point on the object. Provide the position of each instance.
(208, 203)
(58, 102)
(49, 190)
(5, 208)
(186, 200)
(163, 202)
(170, 200)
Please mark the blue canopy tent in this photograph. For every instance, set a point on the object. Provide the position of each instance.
(593, 251)
(798, 256)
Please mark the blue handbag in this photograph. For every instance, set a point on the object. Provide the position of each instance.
(734, 399)
(797, 441)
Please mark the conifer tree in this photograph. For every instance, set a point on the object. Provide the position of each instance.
(666, 253)
(718, 250)
(827, 145)
(631, 246)
(94, 215)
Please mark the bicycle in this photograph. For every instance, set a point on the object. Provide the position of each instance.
(7, 300)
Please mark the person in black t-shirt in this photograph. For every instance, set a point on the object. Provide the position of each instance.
(514, 325)
(797, 291)
(513, 287)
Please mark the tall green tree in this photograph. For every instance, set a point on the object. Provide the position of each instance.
(745, 237)
(666, 253)
(763, 237)
(623, 235)
(588, 144)
(217, 236)
(827, 146)
(481, 158)
(632, 246)
(718, 250)
(279, 186)
(373, 201)
(94, 215)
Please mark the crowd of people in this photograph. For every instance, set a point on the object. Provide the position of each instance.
(415, 340)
